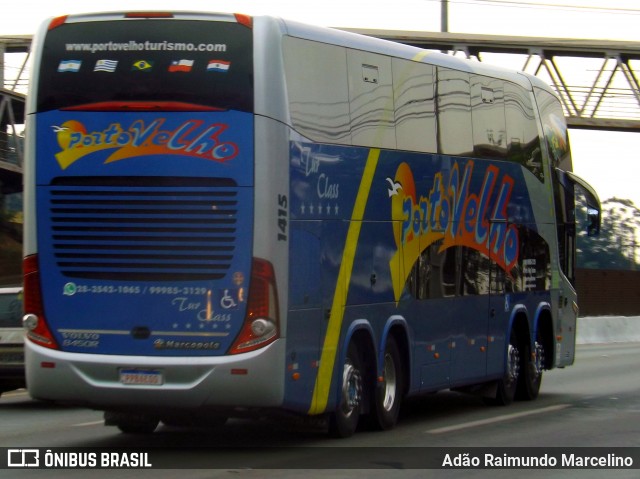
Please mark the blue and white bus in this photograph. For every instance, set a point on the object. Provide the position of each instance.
(228, 213)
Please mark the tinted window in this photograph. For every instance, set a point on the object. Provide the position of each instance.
(371, 99)
(318, 90)
(436, 273)
(196, 62)
(555, 129)
(487, 111)
(522, 130)
(414, 92)
(454, 113)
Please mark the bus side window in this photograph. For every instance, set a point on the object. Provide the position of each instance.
(436, 273)
(454, 113)
(523, 142)
(487, 112)
(317, 87)
(555, 133)
(475, 272)
(414, 98)
(371, 99)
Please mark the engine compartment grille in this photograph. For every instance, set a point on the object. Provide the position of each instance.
(143, 228)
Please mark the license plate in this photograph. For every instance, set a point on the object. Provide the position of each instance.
(141, 377)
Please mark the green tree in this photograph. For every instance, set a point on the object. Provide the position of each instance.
(616, 246)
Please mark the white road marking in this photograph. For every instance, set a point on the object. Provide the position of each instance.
(497, 419)
(16, 393)
(92, 423)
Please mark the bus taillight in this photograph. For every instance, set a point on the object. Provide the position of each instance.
(33, 320)
(56, 22)
(245, 20)
(261, 324)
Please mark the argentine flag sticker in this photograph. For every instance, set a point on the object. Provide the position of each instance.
(69, 66)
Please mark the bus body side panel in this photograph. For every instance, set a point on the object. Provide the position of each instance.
(453, 244)
(306, 320)
(421, 252)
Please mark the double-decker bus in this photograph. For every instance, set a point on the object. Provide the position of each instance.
(228, 213)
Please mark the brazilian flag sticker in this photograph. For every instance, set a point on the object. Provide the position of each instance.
(142, 66)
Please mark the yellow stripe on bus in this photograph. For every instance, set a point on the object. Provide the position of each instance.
(330, 348)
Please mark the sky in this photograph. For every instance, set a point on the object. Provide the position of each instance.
(608, 160)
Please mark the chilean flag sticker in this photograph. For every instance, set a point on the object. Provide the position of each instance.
(218, 66)
(181, 66)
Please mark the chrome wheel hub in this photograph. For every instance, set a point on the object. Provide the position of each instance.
(539, 359)
(390, 383)
(351, 389)
(513, 364)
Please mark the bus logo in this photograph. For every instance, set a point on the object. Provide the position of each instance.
(193, 138)
(23, 457)
(449, 211)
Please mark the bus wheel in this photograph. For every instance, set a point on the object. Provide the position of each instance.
(388, 394)
(131, 423)
(507, 386)
(344, 421)
(529, 387)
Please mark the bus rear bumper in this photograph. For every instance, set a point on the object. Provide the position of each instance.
(251, 380)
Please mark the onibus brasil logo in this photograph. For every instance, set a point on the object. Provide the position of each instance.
(451, 212)
(191, 138)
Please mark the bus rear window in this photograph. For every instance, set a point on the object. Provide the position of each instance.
(189, 62)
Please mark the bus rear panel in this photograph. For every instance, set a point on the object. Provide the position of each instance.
(144, 190)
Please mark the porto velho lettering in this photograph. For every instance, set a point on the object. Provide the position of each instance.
(451, 212)
(191, 138)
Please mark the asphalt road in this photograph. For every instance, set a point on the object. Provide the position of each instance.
(595, 403)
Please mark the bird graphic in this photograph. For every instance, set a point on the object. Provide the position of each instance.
(394, 186)
(58, 129)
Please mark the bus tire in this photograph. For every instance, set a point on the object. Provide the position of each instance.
(531, 379)
(388, 394)
(508, 384)
(343, 422)
(131, 423)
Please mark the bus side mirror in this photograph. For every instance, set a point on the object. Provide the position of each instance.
(593, 202)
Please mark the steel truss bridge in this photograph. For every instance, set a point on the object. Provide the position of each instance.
(14, 55)
(597, 80)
